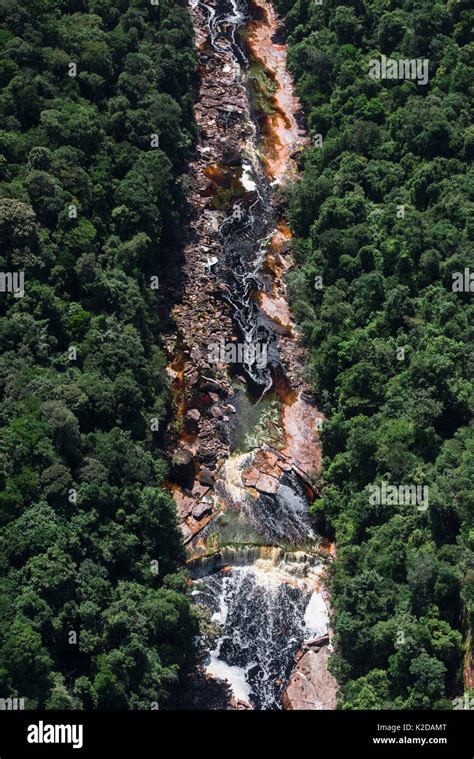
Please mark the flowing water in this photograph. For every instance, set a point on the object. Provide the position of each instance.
(265, 601)
(247, 229)
(265, 612)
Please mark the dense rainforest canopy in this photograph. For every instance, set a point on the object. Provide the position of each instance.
(383, 218)
(96, 125)
(96, 121)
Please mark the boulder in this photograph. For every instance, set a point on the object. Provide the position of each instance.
(182, 468)
(250, 477)
(193, 415)
(206, 477)
(231, 155)
(184, 504)
(171, 373)
(267, 484)
(208, 457)
(323, 640)
(199, 491)
(210, 385)
(201, 510)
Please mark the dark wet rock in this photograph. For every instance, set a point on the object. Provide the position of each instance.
(202, 691)
(182, 468)
(279, 202)
(206, 477)
(300, 118)
(208, 457)
(208, 385)
(201, 510)
(279, 37)
(231, 154)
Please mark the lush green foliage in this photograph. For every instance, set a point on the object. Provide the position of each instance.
(402, 588)
(88, 210)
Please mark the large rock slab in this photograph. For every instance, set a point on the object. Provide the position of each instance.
(302, 425)
(311, 686)
(267, 484)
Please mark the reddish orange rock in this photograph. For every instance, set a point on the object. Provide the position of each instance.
(311, 686)
(267, 484)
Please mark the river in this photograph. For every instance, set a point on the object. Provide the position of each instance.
(246, 454)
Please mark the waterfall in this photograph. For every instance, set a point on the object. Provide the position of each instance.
(299, 561)
(265, 611)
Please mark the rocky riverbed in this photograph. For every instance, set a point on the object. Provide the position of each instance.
(245, 459)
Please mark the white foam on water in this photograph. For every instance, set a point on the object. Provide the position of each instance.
(235, 676)
(316, 617)
(221, 615)
(247, 180)
(265, 611)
